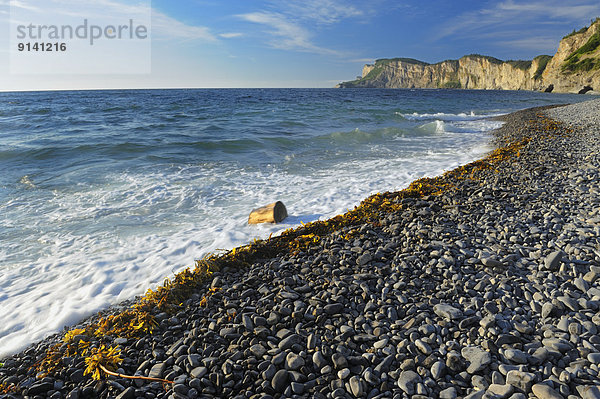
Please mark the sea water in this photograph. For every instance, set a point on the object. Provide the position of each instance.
(103, 194)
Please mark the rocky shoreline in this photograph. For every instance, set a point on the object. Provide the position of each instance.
(489, 289)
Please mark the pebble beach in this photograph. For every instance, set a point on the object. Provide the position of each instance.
(487, 289)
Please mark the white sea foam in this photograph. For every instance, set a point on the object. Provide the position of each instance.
(462, 116)
(468, 126)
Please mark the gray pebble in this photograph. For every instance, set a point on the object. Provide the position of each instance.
(446, 311)
(448, 393)
(280, 381)
(294, 361)
(478, 358)
(553, 260)
(356, 385)
(543, 391)
(520, 379)
(408, 381)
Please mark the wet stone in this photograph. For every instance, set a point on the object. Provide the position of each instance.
(297, 388)
(356, 386)
(280, 381)
(333, 308)
(194, 360)
(319, 360)
(157, 370)
(289, 341)
(198, 372)
(339, 361)
(294, 362)
(258, 350)
(39, 388)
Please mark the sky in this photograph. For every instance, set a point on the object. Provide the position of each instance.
(268, 43)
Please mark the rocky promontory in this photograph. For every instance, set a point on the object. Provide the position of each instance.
(574, 68)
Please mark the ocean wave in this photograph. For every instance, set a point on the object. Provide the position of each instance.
(363, 136)
(436, 126)
(462, 116)
(469, 126)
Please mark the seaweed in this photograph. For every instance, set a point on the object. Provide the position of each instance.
(520, 64)
(102, 358)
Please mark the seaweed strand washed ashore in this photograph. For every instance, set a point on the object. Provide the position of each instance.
(480, 280)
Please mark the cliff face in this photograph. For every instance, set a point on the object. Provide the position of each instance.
(576, 64)
(469, 72)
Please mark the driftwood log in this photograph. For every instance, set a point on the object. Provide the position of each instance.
(272, 213)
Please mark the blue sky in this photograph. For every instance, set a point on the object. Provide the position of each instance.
(313, 43)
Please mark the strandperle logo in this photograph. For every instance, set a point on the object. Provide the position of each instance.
(85, 31)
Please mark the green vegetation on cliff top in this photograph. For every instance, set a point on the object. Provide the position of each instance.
(387, 61)
(543, 63)
(582, 30)
(520, 64)
(584, 59)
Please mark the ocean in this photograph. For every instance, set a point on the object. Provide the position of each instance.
(103, 194)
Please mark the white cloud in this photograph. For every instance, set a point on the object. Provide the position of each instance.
(521, 26)
(553, 9)
(322, 11)
(363, 60)
(165, 26)
(533, 14)
(294, 23)
(22, 5)
(533, 43)
(231, 35)
(286, 34)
